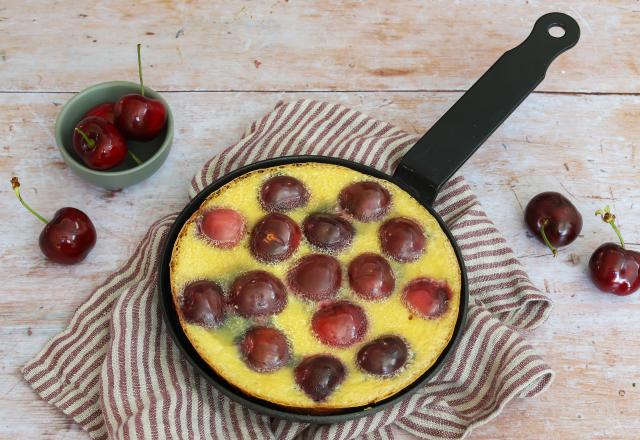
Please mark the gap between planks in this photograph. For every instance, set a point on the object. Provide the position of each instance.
(537, 92)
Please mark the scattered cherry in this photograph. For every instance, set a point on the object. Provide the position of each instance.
(383, 356)
(371, 277)
(552, 218)
(283, 193)
(137, 116)
(402, 239)
(319, 375)
(257, 293)
(68, 237)
(99, 143)
(224, 227)
(202, 303)
(275, 238)
(365, 201)
(615, 269)
(426, 297)
(265, 349)
(612, 267)
(104, 111)
(339, 324)
(328, 231)
(315, 277)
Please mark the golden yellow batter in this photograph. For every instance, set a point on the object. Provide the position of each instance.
(197, 259)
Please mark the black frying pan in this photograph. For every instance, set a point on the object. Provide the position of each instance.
(421, 173)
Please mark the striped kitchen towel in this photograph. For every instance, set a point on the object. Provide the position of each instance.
(117, 373)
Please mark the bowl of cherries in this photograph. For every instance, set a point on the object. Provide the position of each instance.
(115, 134)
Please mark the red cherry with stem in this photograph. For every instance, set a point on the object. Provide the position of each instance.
(615, 269)
(612, 267)
(68, 237)
(99, 143)
(552, 218)
(104, 111)
(139, 117)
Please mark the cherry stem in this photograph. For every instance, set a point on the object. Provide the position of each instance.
(546, 240)
(608, 217)
(15, 184)
(134, 157)
(140, 71)
(87, 139)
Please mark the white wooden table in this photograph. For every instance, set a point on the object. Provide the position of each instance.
(221, 65)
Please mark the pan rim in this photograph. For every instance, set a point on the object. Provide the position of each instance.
(263, 406)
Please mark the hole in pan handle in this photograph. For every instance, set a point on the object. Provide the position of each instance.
(472, 119)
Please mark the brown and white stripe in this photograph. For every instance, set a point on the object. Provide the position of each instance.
(116, 372)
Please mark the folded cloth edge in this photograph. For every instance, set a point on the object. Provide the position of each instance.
(43, 386)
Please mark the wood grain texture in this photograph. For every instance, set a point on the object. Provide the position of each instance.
(294, 45)
(584, 145)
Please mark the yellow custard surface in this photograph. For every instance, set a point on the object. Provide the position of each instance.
(194, 259)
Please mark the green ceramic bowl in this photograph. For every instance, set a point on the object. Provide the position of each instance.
(152, 153)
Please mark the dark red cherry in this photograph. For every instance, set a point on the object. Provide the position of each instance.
(402, 239)
(426, 297)
(383, 356)
(553, 219)
(104, 111)
(99, 143)
(283, 193)
(339, 324)
(328, 231)
(615, 269)
(265, 349)
(319, 375)
(257, 293)
(222, 226)
(371, 277)
(315, 277)
(365, 201)
(140, 117)
(202, 303)
(68, 237)
(275, 238)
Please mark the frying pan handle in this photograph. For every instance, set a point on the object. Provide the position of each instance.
(472, 119)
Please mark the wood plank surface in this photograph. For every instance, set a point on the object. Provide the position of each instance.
(409, 61)
(300, 45)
